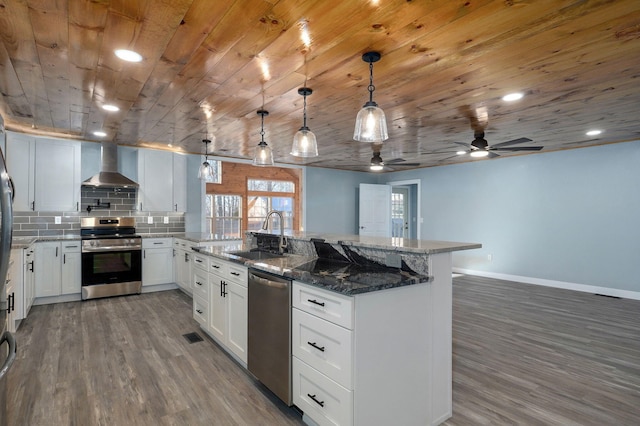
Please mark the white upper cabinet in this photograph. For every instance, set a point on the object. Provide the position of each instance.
(57, 175)
(179, 182)
(155, 176)
(20, 156)
(162, 176)
(45, 173)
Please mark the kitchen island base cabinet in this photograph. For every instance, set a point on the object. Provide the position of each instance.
(399, 370)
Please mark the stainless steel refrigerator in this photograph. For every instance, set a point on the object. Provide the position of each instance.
(7, 341)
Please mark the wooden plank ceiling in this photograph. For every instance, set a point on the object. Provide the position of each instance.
(209, 65)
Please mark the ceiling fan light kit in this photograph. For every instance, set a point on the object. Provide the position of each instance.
(371, 123)
(304, 141)
(376, 162)
(264, 155)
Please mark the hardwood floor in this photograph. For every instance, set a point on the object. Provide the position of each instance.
(523, 354)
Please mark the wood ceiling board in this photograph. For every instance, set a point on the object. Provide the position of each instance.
(438, 57)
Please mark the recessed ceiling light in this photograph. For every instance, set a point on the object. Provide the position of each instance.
(111, 108)
(512, 97)
(100, 133)
(461, 152)
(594, 132)
(128, 55)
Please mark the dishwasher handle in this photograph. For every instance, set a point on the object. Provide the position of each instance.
(271, 283)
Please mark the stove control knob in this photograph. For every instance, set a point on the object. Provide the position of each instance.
(93, 243)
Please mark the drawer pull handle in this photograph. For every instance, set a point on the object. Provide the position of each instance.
(198, 282)
(320, 403)
(315, 345)
(158, 243)
(198, 260)
(215, 266)
(235, 273)
(315, 302)
(199, 311)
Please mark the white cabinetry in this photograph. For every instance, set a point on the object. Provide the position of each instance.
(157, 261)
(375, 358)
(179, 182)
(227, 305)
(182, 263)
(162, 176)
(46, 173)
(57, 269)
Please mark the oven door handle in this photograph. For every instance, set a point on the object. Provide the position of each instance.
(110, 248)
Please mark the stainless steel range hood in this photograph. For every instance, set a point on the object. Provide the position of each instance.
(109, 176)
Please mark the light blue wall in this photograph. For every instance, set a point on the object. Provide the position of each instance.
(332, 200)
(567, 216)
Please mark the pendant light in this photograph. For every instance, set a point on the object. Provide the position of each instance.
(264, 155)
(304, 141)
(371, 124)
(205, 172)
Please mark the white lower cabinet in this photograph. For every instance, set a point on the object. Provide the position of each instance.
(58, 268)
(182, 255)
(157, 261)
(224, 285)
(367, 359)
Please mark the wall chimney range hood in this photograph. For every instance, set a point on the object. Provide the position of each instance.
(109, 176)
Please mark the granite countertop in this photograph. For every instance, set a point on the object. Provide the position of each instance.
(24, 242)
(341, 277)
(384, 243)
(196, 237)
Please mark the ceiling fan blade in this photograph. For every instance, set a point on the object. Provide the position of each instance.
(492, 155)
(403, 164)
(395, 160)
(517, 148)
(512, 142)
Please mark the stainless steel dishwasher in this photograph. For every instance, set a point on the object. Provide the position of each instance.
(269, 332)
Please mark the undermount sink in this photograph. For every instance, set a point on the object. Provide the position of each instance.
(256, 255)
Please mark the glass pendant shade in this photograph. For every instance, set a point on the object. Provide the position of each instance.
(371, 124)
(304, 143)
(205, 172)
(264, 155)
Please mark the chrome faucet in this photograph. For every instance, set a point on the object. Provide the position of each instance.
(265, 225)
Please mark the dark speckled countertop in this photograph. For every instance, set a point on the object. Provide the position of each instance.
(341, 277)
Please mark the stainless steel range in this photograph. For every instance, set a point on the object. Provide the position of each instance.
(111, 257)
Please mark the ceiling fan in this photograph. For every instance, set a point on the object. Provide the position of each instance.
(377, 164)
(480, 147)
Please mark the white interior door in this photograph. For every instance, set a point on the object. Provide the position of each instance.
(375, 210)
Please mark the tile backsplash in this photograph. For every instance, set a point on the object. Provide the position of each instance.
(104, 202)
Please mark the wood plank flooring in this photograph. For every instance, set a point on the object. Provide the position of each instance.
(523, 355)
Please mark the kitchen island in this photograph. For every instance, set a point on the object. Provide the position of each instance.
(371, 331)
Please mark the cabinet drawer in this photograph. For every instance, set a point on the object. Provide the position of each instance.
(323, 345)
(237, 274)
(327, 305)
(200, 284)
(200, 310)
(320, 398)
(200, 261)
(217, 266)
(71, 247)
(149, 243)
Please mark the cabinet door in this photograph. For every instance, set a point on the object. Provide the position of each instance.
(57, 188)
(71, 272)
(217, 308)
(29, 280)
(20, 156)
(155, 176)
(179, 182)
(157, 266)
(237, 319)
(47, 269)
(15, 279)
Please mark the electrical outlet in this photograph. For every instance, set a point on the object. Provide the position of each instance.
(57, 220)
(150, 220)
(490, 257)
(166, 219)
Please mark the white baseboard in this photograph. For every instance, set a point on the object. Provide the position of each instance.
(158, 287)
(626, 294)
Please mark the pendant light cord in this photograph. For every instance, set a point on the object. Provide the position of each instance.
(371, 87)
(262, 129)
(304, 109)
